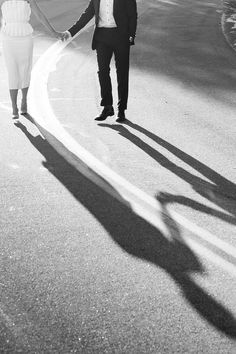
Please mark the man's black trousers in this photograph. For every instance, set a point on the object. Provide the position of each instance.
(108, 42)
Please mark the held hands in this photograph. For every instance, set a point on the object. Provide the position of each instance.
(63, 36)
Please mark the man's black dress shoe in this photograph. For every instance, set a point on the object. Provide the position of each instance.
(121, 117)
(106, 112)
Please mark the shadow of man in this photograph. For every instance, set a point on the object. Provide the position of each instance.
(219, 190)
(136, 236)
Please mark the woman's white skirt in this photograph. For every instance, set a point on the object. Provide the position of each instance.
(18, 54)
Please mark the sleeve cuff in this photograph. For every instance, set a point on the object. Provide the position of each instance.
(68, 32)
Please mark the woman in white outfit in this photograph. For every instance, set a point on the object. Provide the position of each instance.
(17, 43)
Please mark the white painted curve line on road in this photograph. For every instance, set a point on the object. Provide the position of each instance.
(5, 107)
(202, 242)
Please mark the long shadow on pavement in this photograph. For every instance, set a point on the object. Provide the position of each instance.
(136, 236)
(219, 190)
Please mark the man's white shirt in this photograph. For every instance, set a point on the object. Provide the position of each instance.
(106, 18)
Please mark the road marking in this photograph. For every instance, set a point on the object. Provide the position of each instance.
(5, 106)
(200, 240)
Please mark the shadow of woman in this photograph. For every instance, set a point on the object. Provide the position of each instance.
(136, 236)
(219, 190)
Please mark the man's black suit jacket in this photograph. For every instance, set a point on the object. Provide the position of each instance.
(124, 12)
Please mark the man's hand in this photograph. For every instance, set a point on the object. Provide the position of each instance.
(65, 35)
(131, 40)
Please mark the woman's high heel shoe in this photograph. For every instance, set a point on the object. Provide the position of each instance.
(15, 115)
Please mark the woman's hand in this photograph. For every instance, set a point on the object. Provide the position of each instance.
(58, 35)
(63, 36)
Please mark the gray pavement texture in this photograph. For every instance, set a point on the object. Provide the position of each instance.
(81, 272)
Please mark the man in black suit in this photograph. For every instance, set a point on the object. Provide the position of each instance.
(115, 30)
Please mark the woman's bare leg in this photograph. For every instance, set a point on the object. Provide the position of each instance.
(13, 95)
(24, 100)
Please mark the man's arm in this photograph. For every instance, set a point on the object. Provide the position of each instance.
(86, 16)
(133, 16)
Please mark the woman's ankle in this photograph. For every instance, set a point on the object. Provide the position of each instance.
(15, 111)
(24, 107)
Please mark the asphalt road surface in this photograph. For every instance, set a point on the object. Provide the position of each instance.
(82, 271)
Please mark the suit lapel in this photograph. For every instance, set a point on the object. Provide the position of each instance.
(114, 5)
(97, 6)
